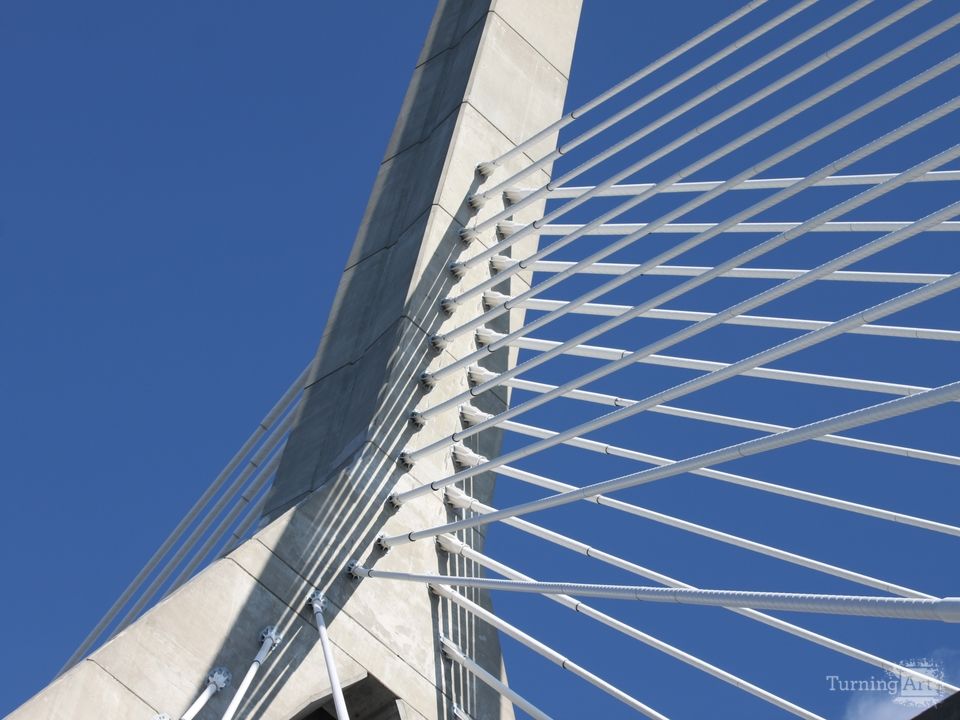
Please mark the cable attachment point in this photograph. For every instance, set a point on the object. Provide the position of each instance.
(271, 633)
(318, 601)
(468, 235)
(427, 380)
(393, 500)
(485, 336)
(219, 677)
(514, 195)
(486, 169)
(381, 545)
(492, 298)
(449, 306)
(476, 201)
(457, 269)
(500, 262)
(464, 457)
(417, 419)
(507, 228)
(450, 544)
(352, 570)
(477, 375)
(439, 342)
(406, 460)
(470, 416)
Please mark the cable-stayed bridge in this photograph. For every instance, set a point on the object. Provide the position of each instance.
(718, 301)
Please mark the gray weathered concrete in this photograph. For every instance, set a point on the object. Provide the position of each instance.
(492, 72)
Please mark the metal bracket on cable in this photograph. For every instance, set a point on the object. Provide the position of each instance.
(477, 375)
(270, 637)
(486, 169)
(506, 228)
(457, 269)
(476, 201)
(319, 603)
(468, 235)
(500, 262)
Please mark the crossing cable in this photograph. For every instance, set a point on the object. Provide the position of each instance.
(698, 102)
(809, 181)
(516, 194)
(728, 538)
(858, 226)
(716, 120)
(777, 291)
(319, 603)
(689, 414)
(941, 609)
(749, 273)
(647, 458)
(281, 407)
(488, 168)
(543, 650)
(666, 87)
(452, 545)
(787, 323)
(899, 406)
(455, 654)
(864, 416)
(606, 353)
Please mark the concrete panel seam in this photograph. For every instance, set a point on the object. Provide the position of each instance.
(532, 46)
(456, 43)
(120, 683)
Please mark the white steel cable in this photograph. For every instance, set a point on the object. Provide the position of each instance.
(461, 500)
(940, 609)
(765, 427)
(488, 168)
(454, 653)
(666, 87)
(850, 158)
(569, 191)
(545, 651)
(716, 120)
(453, 545)
(606, 310)
(319, 603)
(907, 404)
(269, 639)
(873, 413)
(780, 290)
(698, 101)
(664, 519)
(279, 408)
(747, 273)
(217, 680)
(858, 226)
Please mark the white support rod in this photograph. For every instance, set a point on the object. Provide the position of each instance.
(731, 146)
(940, 609)
(605, 310)
(545, 651)
(857, 418)
(488, 168)
(749, 273)
(705, 95)
(461, 500)
(269, 639)
(264, 475)
(740, 308)
(218, 679)
(665, 87)
(766, 427)
(907, 404)
(724, 537)
(280, 407)
(859, 226)
(201, 528)
(764, 204)
(319, 603)
(455, 546)
(516, 194)
(454, 653)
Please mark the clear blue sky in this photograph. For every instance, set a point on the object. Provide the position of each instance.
(180, 185)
